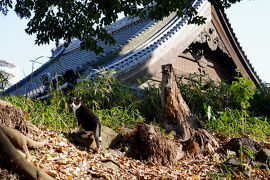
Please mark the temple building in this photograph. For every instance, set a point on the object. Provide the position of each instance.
(142, 46)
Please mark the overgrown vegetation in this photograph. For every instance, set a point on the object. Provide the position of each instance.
(221, 106)
(115, 104)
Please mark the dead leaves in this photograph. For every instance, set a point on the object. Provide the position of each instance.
(62, 160)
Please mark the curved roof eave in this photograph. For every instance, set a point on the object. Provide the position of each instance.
(75, 45)
(247, 66)
(136, 55)
(146, 49)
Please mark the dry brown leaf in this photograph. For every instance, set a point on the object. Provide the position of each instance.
(52, 173)
(69, 177)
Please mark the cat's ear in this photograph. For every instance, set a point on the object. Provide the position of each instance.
(79, 98)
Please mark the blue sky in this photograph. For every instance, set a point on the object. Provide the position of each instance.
(18, 47)
(249, 20)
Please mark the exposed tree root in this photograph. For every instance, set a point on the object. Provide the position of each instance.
(12, 127)
(154, 146)
(14, 158)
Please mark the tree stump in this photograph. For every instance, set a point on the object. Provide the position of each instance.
(13, 117)
(175, 112)
(176, 116)
(149, 144)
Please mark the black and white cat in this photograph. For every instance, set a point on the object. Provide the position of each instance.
(87, 120)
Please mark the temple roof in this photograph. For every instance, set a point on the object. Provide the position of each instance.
(139, 43)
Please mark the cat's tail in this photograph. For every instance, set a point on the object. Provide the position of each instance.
(98, 137)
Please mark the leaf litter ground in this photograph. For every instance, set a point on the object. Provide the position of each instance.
(64, 160)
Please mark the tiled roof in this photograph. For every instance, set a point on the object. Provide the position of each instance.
(74, 58)
(136, 39)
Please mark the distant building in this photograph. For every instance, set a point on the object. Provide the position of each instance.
(9, 72)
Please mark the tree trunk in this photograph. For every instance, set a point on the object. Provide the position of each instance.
(175, 112)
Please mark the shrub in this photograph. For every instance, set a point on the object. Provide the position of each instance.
(260, 104)
(198, 90)
(105, 92)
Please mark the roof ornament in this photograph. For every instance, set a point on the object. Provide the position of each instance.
(211, 36)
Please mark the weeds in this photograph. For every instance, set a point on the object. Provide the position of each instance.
(228, 122)
(260, 104)
(199, 90)
(116, 105)
(242, 91)
(118, 117)
(105, 92)
(150, 104)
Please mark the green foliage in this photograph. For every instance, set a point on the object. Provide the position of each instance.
(114, 104)
(242, 93)
(244, 150)
(220, 107)
(117, 106)
(150, 104)
(198, 90)
(242, 90)
(118, 117)
(85, 20)
(260, 104)
(224, 173)
(223, 4)
(53, 113)
(105, 92)
(228, 172)
(228, 123)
